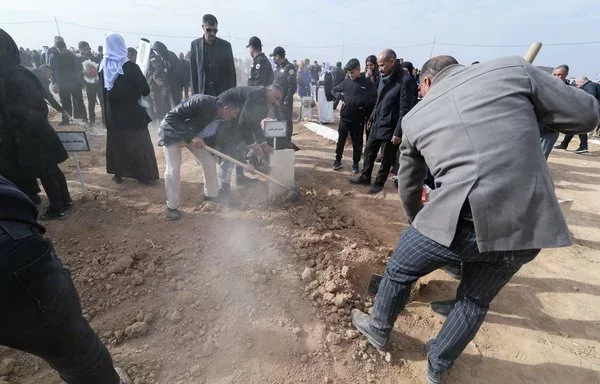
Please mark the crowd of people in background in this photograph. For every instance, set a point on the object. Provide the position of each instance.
(231, 99)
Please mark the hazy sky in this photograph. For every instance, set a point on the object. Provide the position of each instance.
(318, 29)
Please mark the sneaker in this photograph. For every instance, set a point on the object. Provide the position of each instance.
(376, 188)
(173, 214)
(581, 151)
(560, 146)
(362, 322)
(216, 199)
(53, 213)
(355, 168)
(360, 181)
(337, 165)
(442, 308)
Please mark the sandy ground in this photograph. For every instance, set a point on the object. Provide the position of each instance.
(262, 294)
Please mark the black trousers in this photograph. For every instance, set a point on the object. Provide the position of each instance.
(55, 185)
(91, 91)
(389, 152)
(582, 138)
(71, 99)
(355, 130)
(41, 310)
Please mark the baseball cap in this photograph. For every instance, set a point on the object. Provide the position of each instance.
(279, 51)
(254, 42)
(352, 64)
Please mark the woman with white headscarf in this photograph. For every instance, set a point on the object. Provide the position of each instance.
(129, 150)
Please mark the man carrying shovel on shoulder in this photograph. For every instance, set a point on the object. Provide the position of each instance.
(198, 121)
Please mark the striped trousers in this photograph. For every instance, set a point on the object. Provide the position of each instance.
(484, 275)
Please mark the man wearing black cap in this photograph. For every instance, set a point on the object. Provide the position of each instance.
(211, 61)
(359, 96)
(261, 72)
(285, 77)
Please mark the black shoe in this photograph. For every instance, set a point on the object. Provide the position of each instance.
(560, 146)
(375, 188)
(37, 200)
(360, 181)
(241, 179)
(53, 213)
(227, 198)
(63, 123)
(581, 151)
(362, 323)
(355, 168)
(173, 214)
(442, 308)
(453, 270)
(117, 179)
(337, 165)
(69, 204)
(396, 183)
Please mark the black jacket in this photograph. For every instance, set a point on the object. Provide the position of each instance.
(16, 208)
(224, 68)
(254, 110)
(67, 69)
(261, 72)
(338, 75)
(396, 95)
(28, 143)
(285, 76)
(359, 98)
(187, 119)
(184, 72)
(122, 111)
(592, 88)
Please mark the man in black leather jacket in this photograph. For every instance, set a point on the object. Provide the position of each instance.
(197, 121)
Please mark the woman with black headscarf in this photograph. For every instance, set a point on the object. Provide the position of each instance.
(29, 146)
(129, 150)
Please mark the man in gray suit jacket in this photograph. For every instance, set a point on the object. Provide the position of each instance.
(494, 205)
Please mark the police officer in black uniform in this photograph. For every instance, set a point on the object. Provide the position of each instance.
(285, 77)
(261, 72)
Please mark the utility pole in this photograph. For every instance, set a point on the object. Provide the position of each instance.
(432, 46)
(343, 46)
(57, 29)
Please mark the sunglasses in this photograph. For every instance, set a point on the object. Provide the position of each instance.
(211, 30)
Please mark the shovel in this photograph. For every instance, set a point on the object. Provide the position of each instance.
(293, 194)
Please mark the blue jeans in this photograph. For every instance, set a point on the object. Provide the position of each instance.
(548, 138)
(484, 275)
(41, 311)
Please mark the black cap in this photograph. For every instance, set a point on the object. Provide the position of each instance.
(278, 51)
(254, 42)
(352, 64)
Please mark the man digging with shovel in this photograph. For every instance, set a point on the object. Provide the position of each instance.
(197, 121)
(494, 207)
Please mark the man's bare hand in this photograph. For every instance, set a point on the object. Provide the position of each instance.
(197, 143)
(249, 168)
(396, 140)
